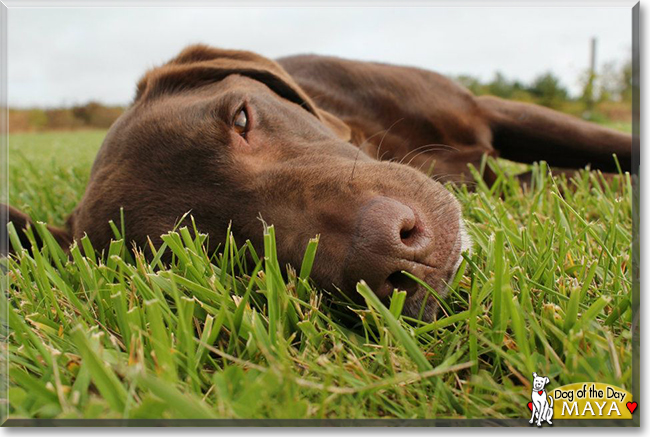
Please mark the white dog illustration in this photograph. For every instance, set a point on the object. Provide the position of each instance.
(542, 408)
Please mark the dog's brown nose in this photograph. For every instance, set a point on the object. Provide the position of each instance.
(390, 237)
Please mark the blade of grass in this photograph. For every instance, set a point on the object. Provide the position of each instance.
(407, 341)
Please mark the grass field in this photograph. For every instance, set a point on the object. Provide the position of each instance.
(546, 290)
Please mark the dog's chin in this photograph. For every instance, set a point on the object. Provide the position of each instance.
(421, 306)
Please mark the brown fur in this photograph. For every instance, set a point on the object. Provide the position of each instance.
(317, 160)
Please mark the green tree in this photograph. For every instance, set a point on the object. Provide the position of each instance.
(472, 84)
(548, 90)
(500, 86)
(626, 82)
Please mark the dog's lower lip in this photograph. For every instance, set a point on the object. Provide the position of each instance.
(424, 272)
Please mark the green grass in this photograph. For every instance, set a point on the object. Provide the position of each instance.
(48, 171)
(546, 290)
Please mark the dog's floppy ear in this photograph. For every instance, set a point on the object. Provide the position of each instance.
(548, 381)
(337, 125)
(199, 65)
(21, 221)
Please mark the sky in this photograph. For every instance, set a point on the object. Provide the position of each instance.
(62, 57)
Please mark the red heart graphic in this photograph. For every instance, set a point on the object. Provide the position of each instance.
(530, 406)
(631, 406)
(540, 392)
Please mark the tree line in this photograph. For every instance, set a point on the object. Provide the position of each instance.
(92, 115)
(605, 96)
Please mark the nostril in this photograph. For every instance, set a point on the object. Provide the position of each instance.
(405, 234)
(409, 234)
(402, 282)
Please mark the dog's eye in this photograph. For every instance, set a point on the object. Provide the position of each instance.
(241, 122)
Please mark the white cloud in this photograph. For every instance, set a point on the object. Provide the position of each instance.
(67, 56)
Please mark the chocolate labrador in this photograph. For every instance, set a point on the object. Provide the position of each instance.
(317, 145)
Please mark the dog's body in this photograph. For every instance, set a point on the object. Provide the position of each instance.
(299, 143)
(430, 122)
(542, 402)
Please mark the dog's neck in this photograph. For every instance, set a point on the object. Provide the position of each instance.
(537, 391)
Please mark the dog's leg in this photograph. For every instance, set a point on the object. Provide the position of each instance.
(532, 417)
(540, 413)
(527, 133)
(549, 416)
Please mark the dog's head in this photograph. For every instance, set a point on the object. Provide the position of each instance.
(230, 137)
(539, 382)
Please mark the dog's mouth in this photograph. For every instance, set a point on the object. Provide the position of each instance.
(399, 280)
(403, 280)
(420, 302)
(423, 295)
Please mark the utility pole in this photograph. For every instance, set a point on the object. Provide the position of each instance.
(593, 56)
(589, 89)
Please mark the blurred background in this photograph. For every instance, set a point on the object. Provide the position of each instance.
(76, 68)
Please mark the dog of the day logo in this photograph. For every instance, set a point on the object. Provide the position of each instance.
(584, 400)
(541, 404)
